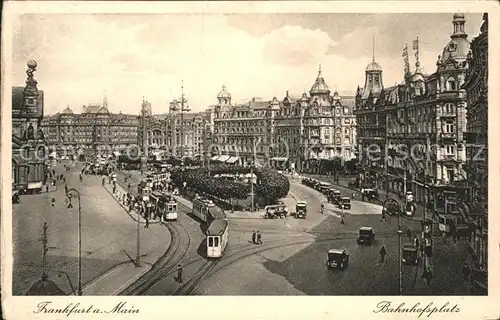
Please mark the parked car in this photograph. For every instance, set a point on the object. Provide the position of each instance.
(337, 258)
(366, 235)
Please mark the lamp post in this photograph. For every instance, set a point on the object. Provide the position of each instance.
(73, 193)
(251, 186)
(399, 232)
(138, 253)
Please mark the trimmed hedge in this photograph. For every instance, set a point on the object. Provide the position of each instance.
(271, 185)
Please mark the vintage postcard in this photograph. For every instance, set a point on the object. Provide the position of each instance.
(260, 151)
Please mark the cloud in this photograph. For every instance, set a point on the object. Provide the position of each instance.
(295, 45)
(131, 56)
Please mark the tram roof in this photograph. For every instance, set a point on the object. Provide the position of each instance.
(217, 227)
(216, 212)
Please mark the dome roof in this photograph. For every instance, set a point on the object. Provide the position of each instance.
(45, 287)
(458, 15)
(67, 111)
(417, 77)
(457, 49)
(224, 93)
(373, 66)
(319, 85)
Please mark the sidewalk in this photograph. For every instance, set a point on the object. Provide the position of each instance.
(120, 192)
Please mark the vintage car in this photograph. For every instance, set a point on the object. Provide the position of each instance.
(370, 194)
(366, 235)
(410, 254)
(337, 258)
(334, 196)
(345, 203)
(301, 210)
(275, 211)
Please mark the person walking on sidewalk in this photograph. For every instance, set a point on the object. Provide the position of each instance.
(259, 238)
(353, 196)
(466, 272)
(322, 207)
(147, 222)
(408, 233)
(253, 237)
(382, 253)
(179, 273)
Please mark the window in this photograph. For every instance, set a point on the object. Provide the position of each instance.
(210, 241)
(449, 127)
(450, 149)
(450, 173)
(452, 84)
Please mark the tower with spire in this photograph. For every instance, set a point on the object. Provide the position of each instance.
(319, 87)
(373, 78)
(105, 101)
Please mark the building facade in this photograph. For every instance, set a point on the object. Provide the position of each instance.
(294, 133)
(424, 117)
(476, 85)
(178, 133)
(28, 140)
(94, 130)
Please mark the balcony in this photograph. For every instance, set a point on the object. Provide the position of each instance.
(448, 135)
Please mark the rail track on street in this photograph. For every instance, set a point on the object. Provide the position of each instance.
(163, 267)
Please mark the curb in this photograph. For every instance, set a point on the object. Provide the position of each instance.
(126, 209)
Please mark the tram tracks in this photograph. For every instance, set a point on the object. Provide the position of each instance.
(238, 253)
(179, 246)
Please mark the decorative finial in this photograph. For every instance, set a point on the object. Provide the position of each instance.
(373, 49)
(287, 93)
(223, 87)
(31, 68)
(319, 71)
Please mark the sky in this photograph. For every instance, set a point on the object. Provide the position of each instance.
(81, 57)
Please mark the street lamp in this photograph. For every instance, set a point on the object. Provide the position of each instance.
(400, 233)
(73, 193)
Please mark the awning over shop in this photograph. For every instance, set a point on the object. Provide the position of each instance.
(223, 158)
(232, 159)
(279, 159)
(214, 158)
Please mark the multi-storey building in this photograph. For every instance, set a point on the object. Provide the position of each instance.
(426, 112)
(292, 133)
(174, 133)
(93, 130)
(476, 85)
(28, 140)
(241, 133)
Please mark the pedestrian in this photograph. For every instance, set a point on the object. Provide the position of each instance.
(466, 272)
(47, 188)
(66, 188)
(147, 222)
(382, 253)
(253, 237)
(353, 196)
(179, 273)
(128, 187)
(259, 237)
(408, 233)
(322, 207)
(415, 241)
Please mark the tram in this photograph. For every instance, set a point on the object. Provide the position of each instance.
(205, 210)
(217, 238)
(165, 206)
